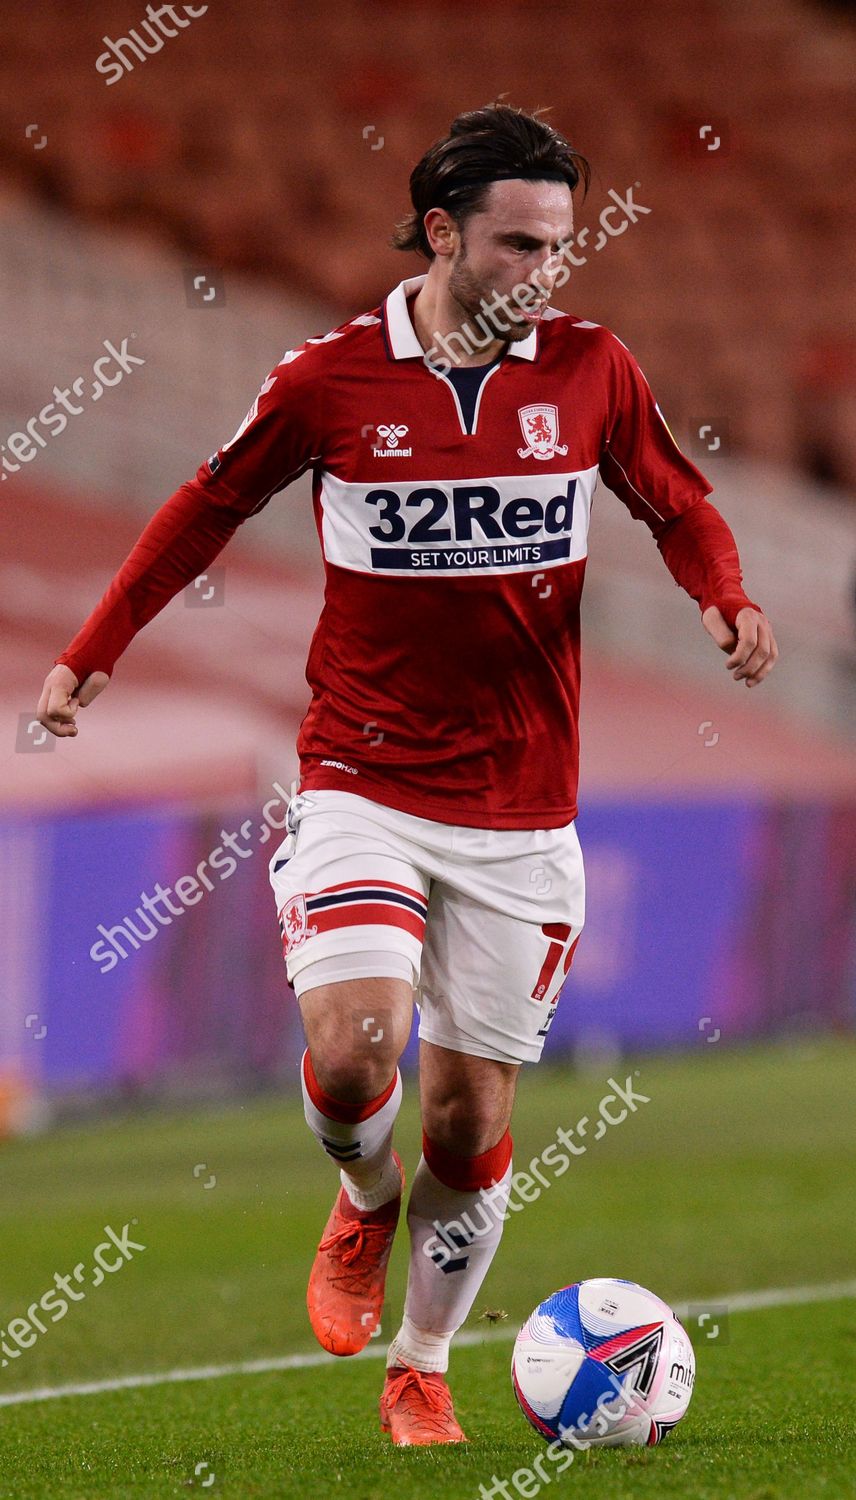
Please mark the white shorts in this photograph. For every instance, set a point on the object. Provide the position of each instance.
(482, 922)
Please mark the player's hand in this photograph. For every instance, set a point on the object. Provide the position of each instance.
(752, 649)
(62, 697)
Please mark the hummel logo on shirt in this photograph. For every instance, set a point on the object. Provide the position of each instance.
(391, 435)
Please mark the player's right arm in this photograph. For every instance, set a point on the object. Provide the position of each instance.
(278, 439)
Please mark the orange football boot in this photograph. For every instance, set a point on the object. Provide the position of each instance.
(416, 1408)
(348, 1276)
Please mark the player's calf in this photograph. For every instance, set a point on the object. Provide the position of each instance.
(455, 1216)
(356, 1030)
(348, 1278)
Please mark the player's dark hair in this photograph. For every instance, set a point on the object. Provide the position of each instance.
(484, 146)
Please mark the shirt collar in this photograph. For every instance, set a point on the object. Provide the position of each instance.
(401, 334)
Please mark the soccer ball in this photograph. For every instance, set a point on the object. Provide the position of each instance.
(603, 1363)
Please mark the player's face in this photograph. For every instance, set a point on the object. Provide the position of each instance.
(513, 242)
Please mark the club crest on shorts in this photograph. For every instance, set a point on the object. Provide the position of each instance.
(539, 424)
(294, 924)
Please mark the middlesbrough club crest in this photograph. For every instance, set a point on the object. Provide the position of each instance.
(540, 427)
(294, 924)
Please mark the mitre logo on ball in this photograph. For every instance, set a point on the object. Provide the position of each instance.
(539, 424)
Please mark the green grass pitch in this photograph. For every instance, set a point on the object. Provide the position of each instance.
(738, 1174)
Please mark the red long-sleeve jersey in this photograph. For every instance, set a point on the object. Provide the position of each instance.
(444, 669)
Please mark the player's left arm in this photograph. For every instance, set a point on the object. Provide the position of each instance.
(700, 552)
(643, 465)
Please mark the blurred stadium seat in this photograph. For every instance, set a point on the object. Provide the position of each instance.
(297, 171)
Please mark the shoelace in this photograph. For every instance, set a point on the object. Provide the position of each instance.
(350, 1245)
(435, 1396)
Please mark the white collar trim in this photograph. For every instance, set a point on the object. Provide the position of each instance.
(402, 335)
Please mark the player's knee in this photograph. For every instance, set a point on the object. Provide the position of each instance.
(355, 1056)
(356, 1035)
(353, 1077)
(466, 1101)
(463, 1126)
